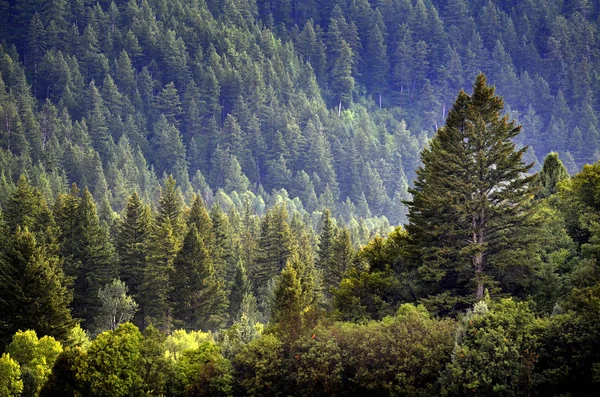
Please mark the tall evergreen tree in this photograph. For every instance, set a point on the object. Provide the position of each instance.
(275, 246)
(33, 288)
(131, 243)
(326, 238)
(89, 249)
(552, 173)
(161, 252)
(470, 200)
(26, 208)
(241, 287)
(164, 243)
(197, 293)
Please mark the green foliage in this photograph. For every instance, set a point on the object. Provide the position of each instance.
(495, 351)
(35, 357)
(11, 384)
(317, 366)
(62, 380)
(116, 306)
(33, 288)
(552, 173)
(568, 354)
(112, 364)
(197, 293)
(470, 209)
(401, 355)
(203, 372)
(371, 288)
(260, 367)
(131, 243)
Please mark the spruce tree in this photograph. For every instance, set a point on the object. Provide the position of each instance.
(197, 293)
(162, 249)
(470, 200)
(33, 288)
(90, 251)
(552, 173)
(342, 254)
(275, 246)
(131, 242)
(325, 245)
(241, 286)
(27, 208)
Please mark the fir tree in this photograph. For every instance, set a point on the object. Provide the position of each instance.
(92, 254)
(197, 294)
(552, 173)
(239, 289)
(275, 246)
(470, 200)
(33, 288)
(162, 249)
(326, 238)
(131, 243)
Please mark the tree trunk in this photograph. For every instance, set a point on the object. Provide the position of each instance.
(340, 109)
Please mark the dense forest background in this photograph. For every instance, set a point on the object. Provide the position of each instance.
(226, 176)
(251, 92)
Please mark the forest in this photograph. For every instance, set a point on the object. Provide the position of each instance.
(299, 197)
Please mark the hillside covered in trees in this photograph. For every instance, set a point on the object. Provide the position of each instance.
(249, 197)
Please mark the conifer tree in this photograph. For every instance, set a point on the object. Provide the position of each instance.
(200, 218)
(342, 254)
(33, 288)
(197, 293)
(552, 172)
(163, 244)
(287, 304)
(27, 208)
(470, 200)
(88, 248)
(168, 150)
(131, 242)
(275, 246)
(170, 207)
(342, 80)
(326, 238)
(222, 239)
(241, 287)
(161, 252)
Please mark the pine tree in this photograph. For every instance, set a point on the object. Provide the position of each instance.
(342, 254)
(326, 238)
(342, 80)
(197, 294)
(33, 288)
(470, 200)
(170, 207)
(131, 242)
(241, 287)
(222, 249)
(88, 248)
(168, 150)
(168, 104)
(163, 244)
(377, 64)
(162, 249)
(27, 208)
(552, 173)
(275, 246)
(287, 304)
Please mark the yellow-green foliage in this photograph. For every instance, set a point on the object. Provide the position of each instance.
(11, 384)
(36, 356)
(180, 341)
